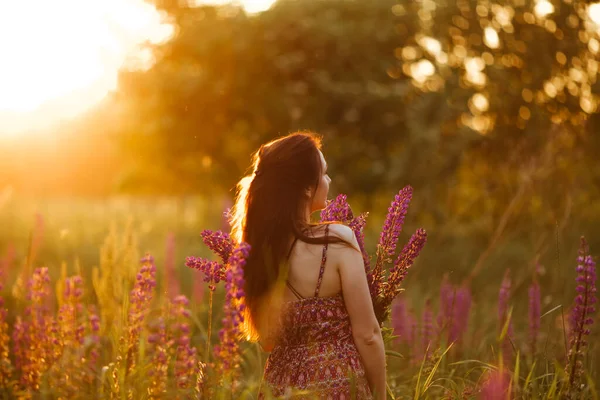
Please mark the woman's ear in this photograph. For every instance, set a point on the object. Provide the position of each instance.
(308, 192)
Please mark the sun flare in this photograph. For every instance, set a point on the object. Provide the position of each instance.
(61, 57)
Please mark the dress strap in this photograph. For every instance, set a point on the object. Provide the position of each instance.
(296, 293)
(323, 261)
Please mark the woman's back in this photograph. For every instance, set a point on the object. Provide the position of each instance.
(315, 354)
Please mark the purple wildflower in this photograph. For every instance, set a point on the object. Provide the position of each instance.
(5, 363)
(337, 210)
(159, 366)
(446, 306)
(427, 327)
(404, 261)
(496, 387)
(227, 350)
(461, 313)
(219, 242)
(582, 314)
(185, 354)
(72, 332)
(358, 225)
(535, 309)
(171, 279)
(400, 321)
(214, 272)
(140, 297)
(392, 226)
(35, 337)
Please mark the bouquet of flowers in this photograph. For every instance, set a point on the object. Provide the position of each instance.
(384, 283)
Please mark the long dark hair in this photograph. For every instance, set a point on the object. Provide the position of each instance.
(270, 211)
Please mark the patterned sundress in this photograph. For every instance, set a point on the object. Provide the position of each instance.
(315, 356)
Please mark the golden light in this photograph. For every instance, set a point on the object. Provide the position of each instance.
(490, 38)
(543, 8)
(479, 103)
(65, 56)
(422, 70)
(251, 6)
(594, 12)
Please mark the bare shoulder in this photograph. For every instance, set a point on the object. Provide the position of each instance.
(343, 232)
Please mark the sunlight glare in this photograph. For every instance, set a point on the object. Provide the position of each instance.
(65, 56)
(594, 12)
(543, 8)
(251, 6)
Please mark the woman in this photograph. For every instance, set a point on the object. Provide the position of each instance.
(307, 297)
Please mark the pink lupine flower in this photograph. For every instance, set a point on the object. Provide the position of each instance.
(581, 315)
(427, 326)
(496, 387)
(185, 358)
(5, 363)
(227, 353)
(159, 366)
(400, 321)
(392, 226)
(404, 261)
(140, 297)
(36, 337)
(338, 210)
(460, 314)
(214, 272)
(219, 242)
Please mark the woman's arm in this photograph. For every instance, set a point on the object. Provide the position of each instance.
(365, 328)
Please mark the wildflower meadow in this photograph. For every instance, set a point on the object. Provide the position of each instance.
(133, 327)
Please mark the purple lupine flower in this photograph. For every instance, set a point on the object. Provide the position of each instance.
(219, 242)
(400, 322)
(446, 306)
(94, 332)
(582, 314)
(496, 386)
(427, 327)
(226, 351)
(71, 331)
(461, 313)
(535, 312)
(337, 210)
(35, 336)
(392, 226)
(5, 363)
(159, 366)
(214, 272)
(139, 298)
(358, 226)
(402, 264)
(185, 354)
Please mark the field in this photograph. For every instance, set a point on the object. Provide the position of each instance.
(84, 318)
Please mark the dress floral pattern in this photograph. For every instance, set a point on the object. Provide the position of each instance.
(315, 356)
